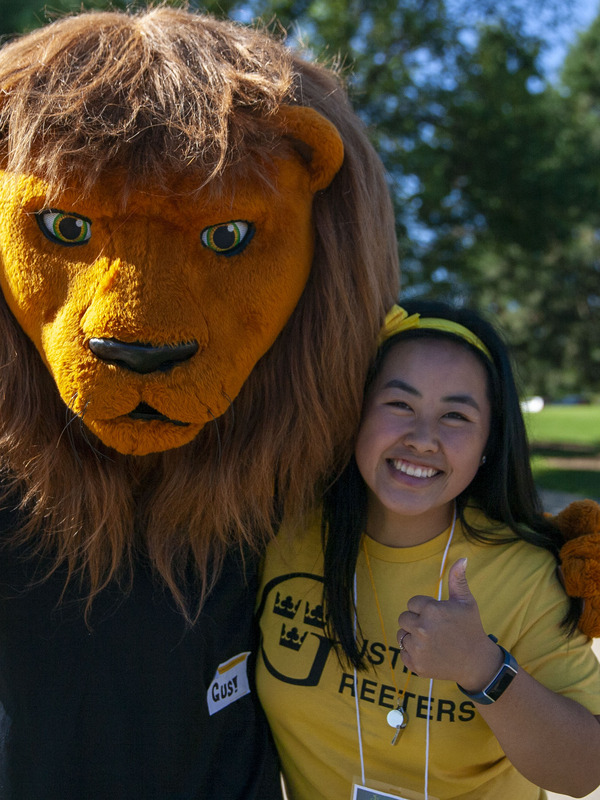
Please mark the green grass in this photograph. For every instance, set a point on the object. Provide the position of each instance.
(565, 446)
(571, 425)
(583, 482)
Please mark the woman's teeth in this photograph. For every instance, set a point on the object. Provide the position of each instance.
(412, 470)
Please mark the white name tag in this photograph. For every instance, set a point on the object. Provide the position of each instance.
(377, 790)
(229, 684)
(364, 793)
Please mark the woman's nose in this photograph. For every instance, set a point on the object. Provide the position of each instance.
(421, 436)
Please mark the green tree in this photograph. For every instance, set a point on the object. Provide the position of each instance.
(510, 194)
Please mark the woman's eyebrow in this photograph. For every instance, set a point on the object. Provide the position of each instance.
(467, 399)
(396, 383)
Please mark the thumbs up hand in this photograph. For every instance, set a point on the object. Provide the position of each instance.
(445, 639)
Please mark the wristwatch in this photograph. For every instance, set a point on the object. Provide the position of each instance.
(499, 683)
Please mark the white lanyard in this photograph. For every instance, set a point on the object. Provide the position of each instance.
(358, 726)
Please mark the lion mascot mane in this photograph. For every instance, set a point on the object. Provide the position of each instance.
(196, 254)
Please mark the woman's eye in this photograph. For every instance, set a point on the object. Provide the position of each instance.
(227, 238)
(455, 415)
(64, 227)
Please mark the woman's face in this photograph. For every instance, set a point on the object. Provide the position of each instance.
(424, 429)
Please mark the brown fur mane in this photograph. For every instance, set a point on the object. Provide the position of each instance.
(152, 94)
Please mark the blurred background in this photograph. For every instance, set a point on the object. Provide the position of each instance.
(486, 114)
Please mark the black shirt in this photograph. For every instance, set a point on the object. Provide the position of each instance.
(119, 708)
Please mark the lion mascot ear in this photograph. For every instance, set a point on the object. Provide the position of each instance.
(579, 524)
(311, 129)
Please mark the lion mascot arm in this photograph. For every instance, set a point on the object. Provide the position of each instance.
(579, 524)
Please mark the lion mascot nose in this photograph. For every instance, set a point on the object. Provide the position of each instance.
(142, 358)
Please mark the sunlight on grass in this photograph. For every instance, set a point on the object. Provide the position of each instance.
(565, 424)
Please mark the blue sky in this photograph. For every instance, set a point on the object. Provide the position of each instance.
(584, 11)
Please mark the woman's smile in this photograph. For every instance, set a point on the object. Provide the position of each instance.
(413, 470)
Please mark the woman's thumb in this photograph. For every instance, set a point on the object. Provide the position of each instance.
(458, 588)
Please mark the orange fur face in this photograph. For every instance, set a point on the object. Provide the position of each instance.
(102, 288)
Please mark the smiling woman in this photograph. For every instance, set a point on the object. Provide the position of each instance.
(370, 606)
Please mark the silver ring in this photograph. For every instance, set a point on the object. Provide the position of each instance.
(401, 642)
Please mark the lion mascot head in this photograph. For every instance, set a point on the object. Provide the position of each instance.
(196, 253)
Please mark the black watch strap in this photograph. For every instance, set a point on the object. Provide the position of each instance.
(499, 683)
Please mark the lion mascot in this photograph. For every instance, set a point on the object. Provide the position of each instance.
(196, 254)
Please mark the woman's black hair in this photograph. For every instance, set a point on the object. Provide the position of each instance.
(503, 488)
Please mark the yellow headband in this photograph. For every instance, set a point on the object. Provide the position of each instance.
(397, 320)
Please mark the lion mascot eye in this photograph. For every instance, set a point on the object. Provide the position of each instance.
(64, 228)
(228, 238)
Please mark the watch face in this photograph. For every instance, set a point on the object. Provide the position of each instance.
(501, 683)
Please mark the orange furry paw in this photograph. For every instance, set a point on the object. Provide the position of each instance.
(579, 524)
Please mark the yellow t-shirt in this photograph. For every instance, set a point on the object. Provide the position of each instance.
(309, 697)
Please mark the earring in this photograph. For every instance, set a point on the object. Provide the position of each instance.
(483, 460)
